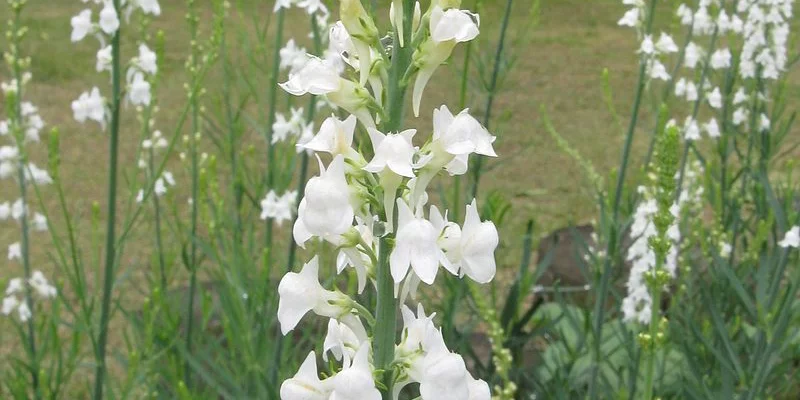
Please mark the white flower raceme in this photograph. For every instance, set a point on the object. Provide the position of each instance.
(325, 210)
(279, 208)
(301, 292)
(416, 246)
(791, 239)
(447, 28)
(470, 248)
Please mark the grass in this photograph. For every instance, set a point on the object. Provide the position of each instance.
(559, 69)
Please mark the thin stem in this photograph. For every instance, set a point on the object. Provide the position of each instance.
(599, 309)
(25, 242)
(111, 218)
(476, 170)
(273, 95)
(195, 116)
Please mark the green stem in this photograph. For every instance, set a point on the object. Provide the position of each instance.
(611, 250)
(159, 243)
(651, 358)
(195, 115)
(273, 95)
(25, 242)
(110, 246)
(476, 170)
(385, 317)
(386, 306)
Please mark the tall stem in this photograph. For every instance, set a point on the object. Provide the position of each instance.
(25, 242)
(599, 310)
(386, 306)
(111, 218)
(195, 115)
(498, 55)
(273, 95)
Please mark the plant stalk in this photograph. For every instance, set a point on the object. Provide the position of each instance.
(111, 218)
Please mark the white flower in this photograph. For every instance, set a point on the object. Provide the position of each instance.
(740, 116)
(293, 57)
(416, 246)
(666, 44)
(447, 28)
(442, 375)
(139, 90)
(40, 285)
(279, 208)
(150, 7)
(18, 209)
(690, 129)
(90, 105)
(454, 24)
(725, 249)
(109, 22)
(305, 384)
(325, 210)
(692, 55)
(81, 25)
(394, 151)
(630, 18)
(315, 77)
(342, 341)
(334, 137)
(14, 251)
(764, 123)
(24, 312)
(461, 134)
(647, 46)
(740, 97)
(5, 211)
(791, 239)
(657, 70)
(104, 59)
(39, 222)
(721, 59)
(15, 285)
(301, 292)
(356, 382)
(146, 61)
(712, 128)
(470, 248)
(9, 304)
(715, 99)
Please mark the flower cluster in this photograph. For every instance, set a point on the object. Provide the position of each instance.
(637, 305)
(372, 206)
(21, 128)
(90, 105)
(15, 294)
